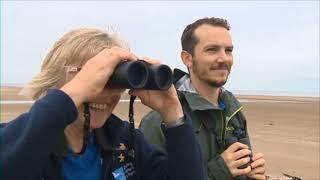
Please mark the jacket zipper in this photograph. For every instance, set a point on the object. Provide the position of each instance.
(225, 122)
(223, 132)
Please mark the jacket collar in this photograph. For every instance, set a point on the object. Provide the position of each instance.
(197, 102)
(106, 136)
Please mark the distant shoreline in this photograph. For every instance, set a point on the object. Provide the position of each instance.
(276, 93)
(242, 100)
(236, 92)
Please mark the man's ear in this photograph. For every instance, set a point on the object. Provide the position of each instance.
(186, 58)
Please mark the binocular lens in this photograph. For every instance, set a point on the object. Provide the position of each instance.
(141, 75)
(137, 75)
(165, 77)
(129, 74)
(160, 77)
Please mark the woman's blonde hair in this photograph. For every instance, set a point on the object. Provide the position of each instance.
(74, 49)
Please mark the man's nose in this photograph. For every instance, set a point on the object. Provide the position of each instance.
(222, 56)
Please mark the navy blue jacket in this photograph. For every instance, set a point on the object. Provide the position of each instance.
(31, 146)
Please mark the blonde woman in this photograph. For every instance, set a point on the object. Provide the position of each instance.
(44, 143)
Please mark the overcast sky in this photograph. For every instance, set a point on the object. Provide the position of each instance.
(276, 43)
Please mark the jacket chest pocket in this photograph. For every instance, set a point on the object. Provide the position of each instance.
(234, 128)
(229, 132)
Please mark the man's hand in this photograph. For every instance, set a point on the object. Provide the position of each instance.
(93, 76)
(236, 155)
(166, 102)
(258, 167)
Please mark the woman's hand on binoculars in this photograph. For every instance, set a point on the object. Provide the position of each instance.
(90, 81)
(166, 102)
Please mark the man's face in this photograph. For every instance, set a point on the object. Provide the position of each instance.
(212, 59)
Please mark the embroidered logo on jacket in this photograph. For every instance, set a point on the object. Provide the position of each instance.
(119, 174)
(124, 172)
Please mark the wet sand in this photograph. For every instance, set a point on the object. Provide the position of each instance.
(285, 129)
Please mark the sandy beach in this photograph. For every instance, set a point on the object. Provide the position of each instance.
(285, 129)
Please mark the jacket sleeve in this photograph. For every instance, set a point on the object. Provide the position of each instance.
(150, 126)
(183, 159)
(27, 141)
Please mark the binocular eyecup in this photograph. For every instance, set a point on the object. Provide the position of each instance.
(141, 75)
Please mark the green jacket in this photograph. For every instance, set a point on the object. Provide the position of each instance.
(212, 125)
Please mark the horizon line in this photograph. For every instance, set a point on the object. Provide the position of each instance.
(234, 91)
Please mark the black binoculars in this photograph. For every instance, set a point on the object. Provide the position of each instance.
(245, 140)
(141, 75)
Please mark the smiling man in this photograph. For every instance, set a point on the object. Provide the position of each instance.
(217, 118)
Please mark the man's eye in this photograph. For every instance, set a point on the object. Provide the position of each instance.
(229, 50)
(213, 49)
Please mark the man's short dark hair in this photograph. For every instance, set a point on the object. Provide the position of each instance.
(189, 41)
